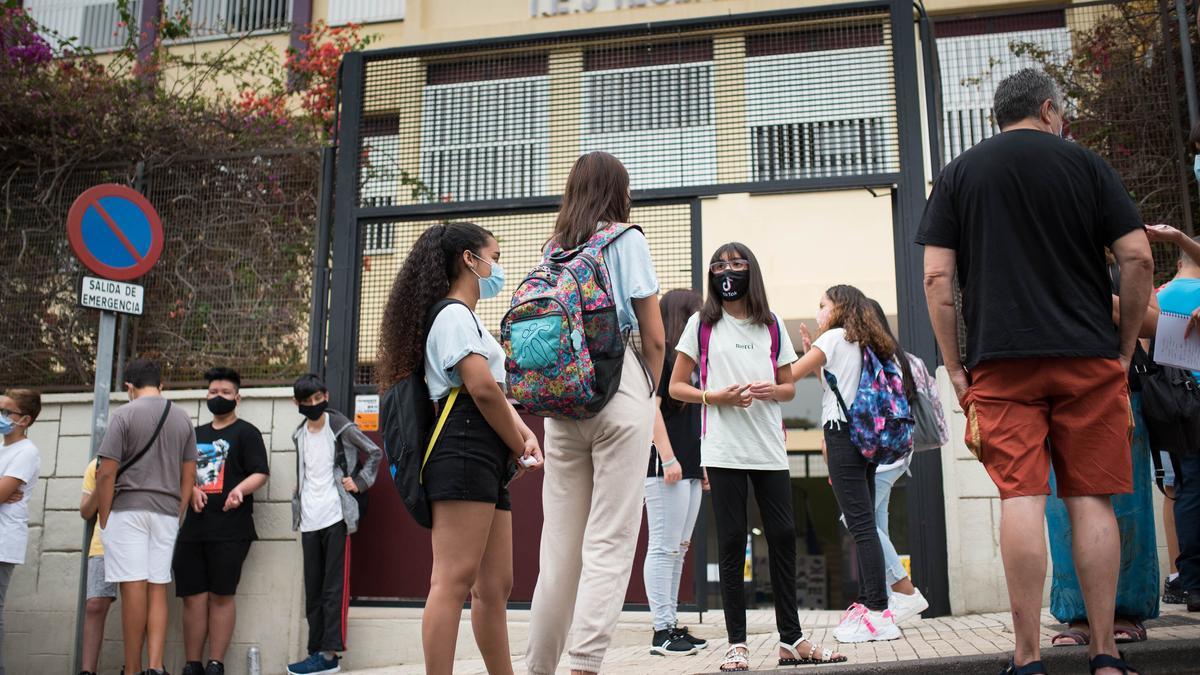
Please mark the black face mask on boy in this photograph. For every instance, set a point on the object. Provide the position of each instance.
(219, 405)
(314, 412)
(733, 285)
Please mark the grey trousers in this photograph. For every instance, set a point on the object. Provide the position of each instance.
(6, 570)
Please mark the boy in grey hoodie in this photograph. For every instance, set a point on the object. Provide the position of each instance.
(325, 509)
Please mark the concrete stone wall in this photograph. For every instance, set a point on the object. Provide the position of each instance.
(40, 611)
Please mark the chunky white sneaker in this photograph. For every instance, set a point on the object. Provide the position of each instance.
(870, 627)
(905, 607)
(850, 616)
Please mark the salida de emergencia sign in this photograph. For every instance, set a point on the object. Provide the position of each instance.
(111, 296)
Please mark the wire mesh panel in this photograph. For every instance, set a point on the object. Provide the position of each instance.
(233, 286)
(667, 227)
(1115, 62)
(736, 102)
(46, 341)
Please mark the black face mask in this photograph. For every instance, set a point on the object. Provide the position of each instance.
(219, 405)
(732, 285)
(314, 412)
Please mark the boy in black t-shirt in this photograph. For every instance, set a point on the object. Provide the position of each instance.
(216, 533)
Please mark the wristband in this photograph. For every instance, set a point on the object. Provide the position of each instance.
(669, 462)
(704, 397)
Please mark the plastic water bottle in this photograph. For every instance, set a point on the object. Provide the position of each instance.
(253, 661)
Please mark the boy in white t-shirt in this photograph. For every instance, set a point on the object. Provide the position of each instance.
(19, 464)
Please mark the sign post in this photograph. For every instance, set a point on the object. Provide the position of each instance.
(115, 233)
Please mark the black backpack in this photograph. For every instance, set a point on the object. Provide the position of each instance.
(406, 424)
(1170, 405)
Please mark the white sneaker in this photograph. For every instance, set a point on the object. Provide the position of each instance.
(850, 616)
(905, 607)
(870, 627)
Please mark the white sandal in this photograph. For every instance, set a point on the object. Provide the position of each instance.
(736, 656)
(816, 654)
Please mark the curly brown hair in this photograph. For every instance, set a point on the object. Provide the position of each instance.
(853, 313)
(434, 261)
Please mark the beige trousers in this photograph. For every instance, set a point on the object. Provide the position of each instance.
(592, 499)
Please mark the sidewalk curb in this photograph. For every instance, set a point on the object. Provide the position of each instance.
(1161, 657)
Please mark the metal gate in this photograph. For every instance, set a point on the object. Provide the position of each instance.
(810, 99)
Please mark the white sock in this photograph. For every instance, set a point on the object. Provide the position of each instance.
(1173, 577)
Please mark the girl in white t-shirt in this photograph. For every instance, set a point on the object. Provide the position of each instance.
(847, 322)
(466, 475)
(743, 441)
(19, 465)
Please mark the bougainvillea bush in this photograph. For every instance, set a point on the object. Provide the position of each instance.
(225, 144)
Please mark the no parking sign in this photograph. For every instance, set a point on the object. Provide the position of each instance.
(115, 232)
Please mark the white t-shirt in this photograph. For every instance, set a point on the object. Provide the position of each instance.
(631, 272)
(844, 361)
(320, 504)
(739, 352)
(455, 333)
(21, 461)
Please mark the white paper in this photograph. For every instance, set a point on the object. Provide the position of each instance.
(1171, 348)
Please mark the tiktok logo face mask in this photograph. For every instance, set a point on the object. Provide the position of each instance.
(733, 285)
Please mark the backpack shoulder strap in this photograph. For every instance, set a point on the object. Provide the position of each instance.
(832, 382)
(705, 338)
(776, 341)
(607, 234)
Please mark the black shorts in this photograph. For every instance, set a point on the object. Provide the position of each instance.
(208, 566)
(470, 462)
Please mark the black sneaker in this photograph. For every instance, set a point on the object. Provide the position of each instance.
(1172, 593)
(698, 643)
(1193, 601)
(214, 668)
(193, 668)
(670, 643)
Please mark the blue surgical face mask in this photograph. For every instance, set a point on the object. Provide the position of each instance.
(1196, 167)
(6, 425)
(490, 286)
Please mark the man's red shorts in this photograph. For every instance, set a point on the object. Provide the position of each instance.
(1080, 406)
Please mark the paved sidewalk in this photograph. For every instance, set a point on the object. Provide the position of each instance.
(959, 644)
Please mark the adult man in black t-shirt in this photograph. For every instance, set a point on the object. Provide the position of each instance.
(217, 531)
(1023, 218)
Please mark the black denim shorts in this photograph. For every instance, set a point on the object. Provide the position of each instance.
(469, 462)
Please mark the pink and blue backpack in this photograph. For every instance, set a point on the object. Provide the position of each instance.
(563, 344)
(880, 419)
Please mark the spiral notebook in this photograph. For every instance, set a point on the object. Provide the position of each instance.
(1171, 348)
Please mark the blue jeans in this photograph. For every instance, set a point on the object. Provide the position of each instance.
(884, 482)
(671, 512)
(1187, 522)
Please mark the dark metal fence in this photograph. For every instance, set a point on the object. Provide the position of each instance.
(1119, 67)
(233, 286)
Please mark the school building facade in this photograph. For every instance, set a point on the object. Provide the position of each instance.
(802, 129)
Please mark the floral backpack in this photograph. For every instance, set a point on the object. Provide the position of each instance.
(880, 419)
(563, 344)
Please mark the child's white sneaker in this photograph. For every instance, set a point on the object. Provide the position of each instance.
(905, 607)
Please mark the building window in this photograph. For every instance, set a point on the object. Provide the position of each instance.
(485, 129)
(93, 25)
(210, 18)
(652, 107)
(819, 103)
(365, 11)
(974, 55)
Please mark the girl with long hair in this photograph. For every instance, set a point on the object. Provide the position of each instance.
(430, 320)
(592, 494)
(674, 482)
(733, 339)
(848, 324)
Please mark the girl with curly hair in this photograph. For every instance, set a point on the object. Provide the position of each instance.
(848, 323)
(430, 317)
